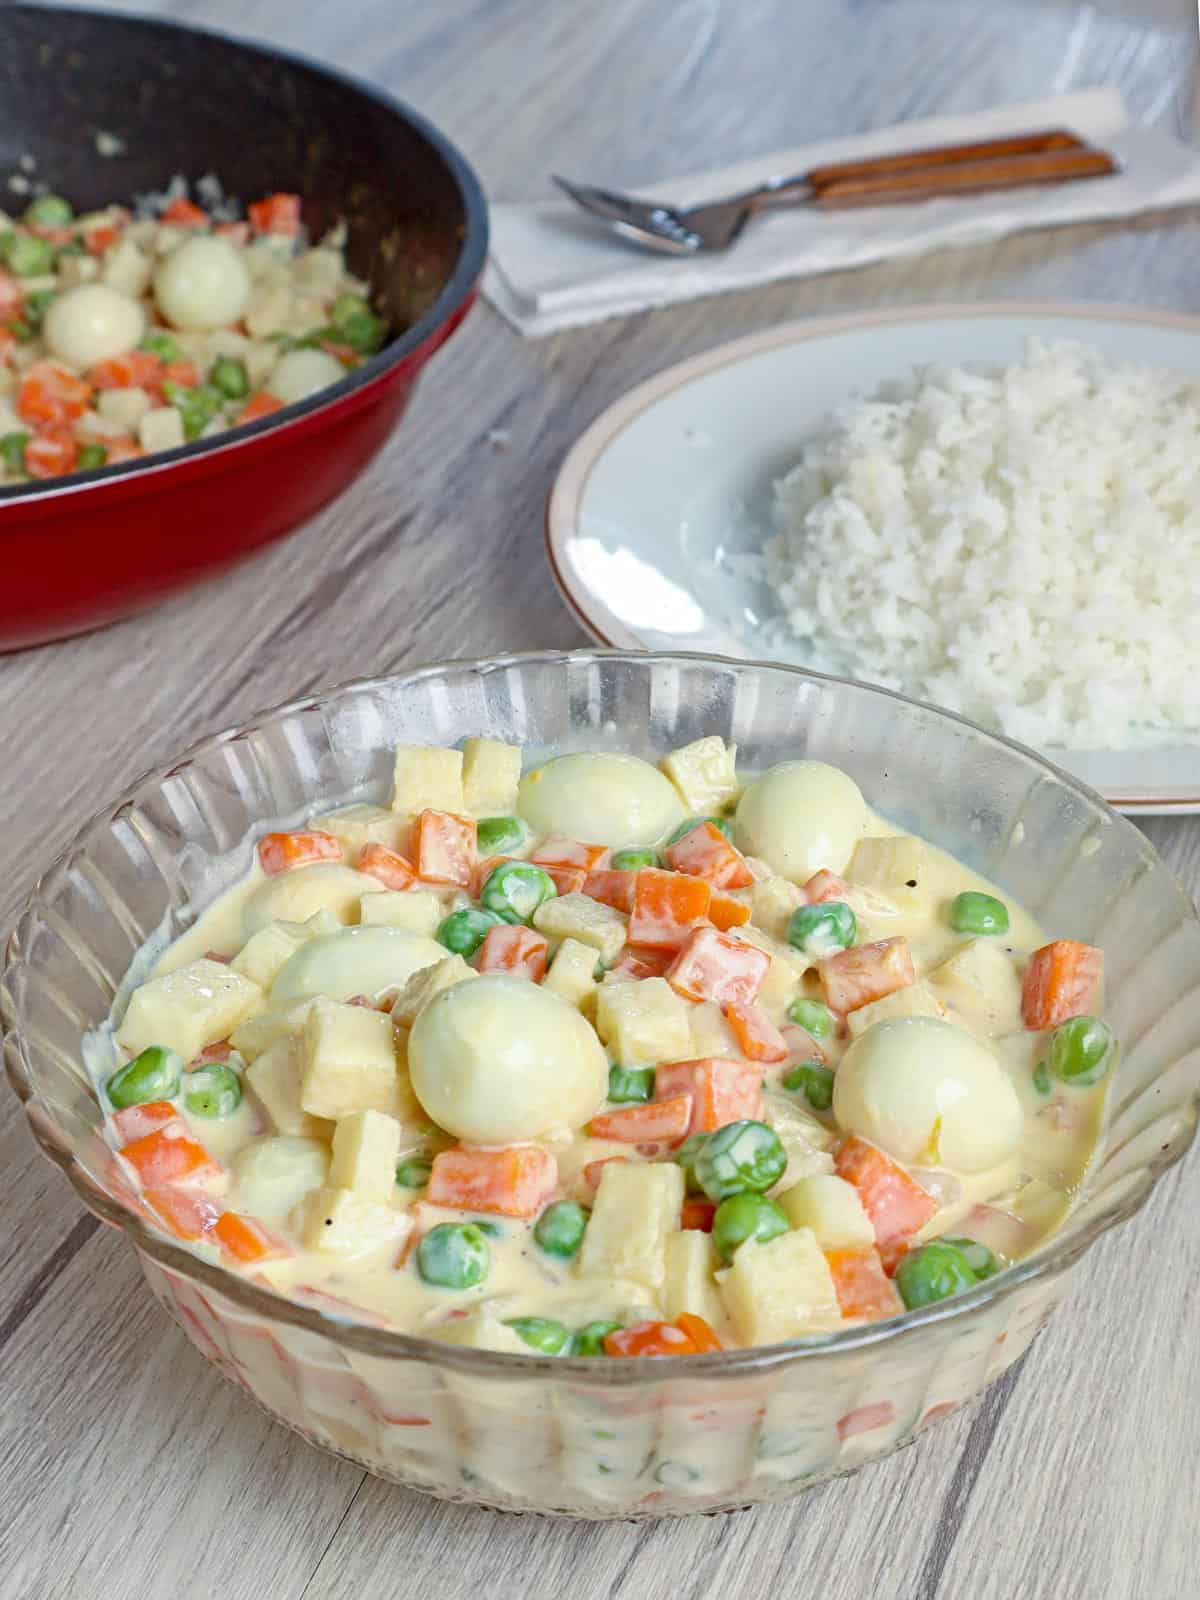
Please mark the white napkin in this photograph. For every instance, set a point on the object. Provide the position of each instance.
(552, 267)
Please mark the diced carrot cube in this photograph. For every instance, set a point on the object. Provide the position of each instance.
(247, 1240)
(10, 296)
(725, 912)
(137, 369)
(641, 963)
(521, 952)
(187, 1213)
(217, 1051)
(895, 1202)
(557, 851)
(280, 852)
(612, 887)
(650, 1339)
(865, 972)
(697, 1214)
(482, 871)
(51, 452)
(278, 213)
(122, 448)
(169, 1155)
(863, 1288)
(136, 1121)
(667, 906)
(698, 1331)
(50, 393)
(567, 880)
(184, 214)
(235, 232)
(594, 1170)
(390, 868)
(705, 852)
(444, 847)
(801, 1046)
(1062, 980)
(515, 1182)
(715, 966)
(758, 1036)
(825, 886)
(99, 239)
(721, 1090)
(657, 1122)
(262, 404)
(185, 374)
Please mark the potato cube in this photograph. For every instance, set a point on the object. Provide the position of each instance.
(578, 916)
(831, 1208)
(274, 1078)
(266, 951)
(319, 272)
(160, 428)
(273, 1175)
(918, 1000)
(643, 1020)
(366, 1147)
(127, 268)
(490, 774)
(780, 1290)
(349, 1060)
(572, 974)
(187, 1009)
(899, 868)
(782, 982)
(424, 985)
(772, 901)
(805, 1140)
(636, 1207)
(414, 909)
(268, 309)
(427, 778)
(340, 1222)
(689, 1284)
(124, 407)
(258, 1034)
(980, 981)
(711, 1034)
(355, 826)
(703, 772)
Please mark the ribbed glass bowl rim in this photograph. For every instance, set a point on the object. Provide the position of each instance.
(1052, 1259)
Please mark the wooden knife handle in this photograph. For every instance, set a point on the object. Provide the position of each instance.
(965, 177)
(946, 155)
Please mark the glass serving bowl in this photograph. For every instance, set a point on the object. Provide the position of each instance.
(600, 1438)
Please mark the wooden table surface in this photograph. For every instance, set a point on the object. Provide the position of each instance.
(131, 1471)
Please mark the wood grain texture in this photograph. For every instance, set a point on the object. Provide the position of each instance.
(131, 1470)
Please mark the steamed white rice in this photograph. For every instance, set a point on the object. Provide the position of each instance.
(1021, 545)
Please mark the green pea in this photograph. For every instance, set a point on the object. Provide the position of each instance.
(685, 1156)
(90, 457)
(738, 1157)
(496, 836)
(934, 1272)
(464, 931)
(50, 211)
(346, 307)
(229, 376)
(630, 1084)
(492, 1229)
(26, 255)
(589, 1340)
(454, 1255)
(364, 332)
(1041, 1078)
(21, 329)
(540, 1333)
(823, 929)
(560, 1228)
(515, 889)
(815, 1018)
(161, 344)
(722, 824)
(36, 305)
(413, 1172)
(153, 1075)
(814, 1082)
(214, 1091)
(1081, 1051)
(981, 1260)
(975, 913)
(634, 860)
(742, 1217)
(12, 450)
(197, 404)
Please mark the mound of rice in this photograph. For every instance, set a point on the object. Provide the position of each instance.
(1021, 545)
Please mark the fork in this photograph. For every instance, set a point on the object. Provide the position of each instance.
(1052, 156)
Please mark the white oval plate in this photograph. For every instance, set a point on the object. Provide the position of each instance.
(678, 474)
